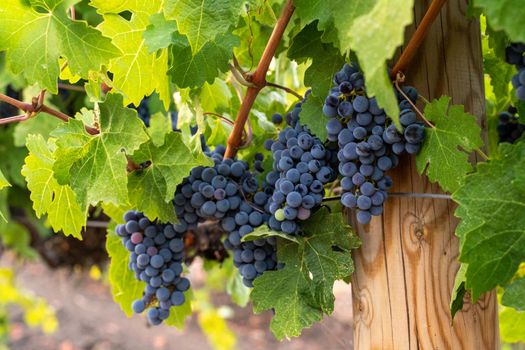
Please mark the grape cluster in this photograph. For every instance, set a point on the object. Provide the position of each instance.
(156, 254)
(369, 144)
(229, 194)
(509, 127)
(514, 56)
(300, 171)
(7, 110)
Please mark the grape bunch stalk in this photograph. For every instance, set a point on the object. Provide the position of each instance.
(156, 255)
(369, 143)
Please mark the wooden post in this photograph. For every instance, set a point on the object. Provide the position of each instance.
(406, 266)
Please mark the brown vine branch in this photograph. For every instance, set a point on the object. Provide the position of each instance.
(417, 39)
(32, 109)
(258, 79)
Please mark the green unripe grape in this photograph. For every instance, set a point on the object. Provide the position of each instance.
(279, 215)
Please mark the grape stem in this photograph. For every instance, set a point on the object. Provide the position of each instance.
(34, 108)
(258, 79)
(71, 87)
(287, 89)
(401, 78)
(417, 39)
(245, 79)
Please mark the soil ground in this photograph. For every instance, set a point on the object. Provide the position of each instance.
(90, 320)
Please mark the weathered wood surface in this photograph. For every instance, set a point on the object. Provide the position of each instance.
(406, 266)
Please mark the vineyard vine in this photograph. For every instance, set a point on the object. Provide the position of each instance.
(157, 114)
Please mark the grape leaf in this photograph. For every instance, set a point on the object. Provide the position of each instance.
(13, 235)
(492, 212)
(34, 41)
(192, 70)
(375, 37)
(59, 202)
(43, 125)
(312, 115)
(136, 73)
(125, 288)
(95, 165)
(160, 33)
(151, 189)
(3, 184)
(506, 15)
(12, 157)
(458, 291)
(179, 313)
(511, 325)
(445, 150)
(334, 18)
(514, 295)
(266, 232)
(302, 291)
(203, 21)
(159, 126)
(326, 61)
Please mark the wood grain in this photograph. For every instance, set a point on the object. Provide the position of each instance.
(406, 266)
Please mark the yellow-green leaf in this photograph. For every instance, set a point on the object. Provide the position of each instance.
(59, 202)
(35, 40)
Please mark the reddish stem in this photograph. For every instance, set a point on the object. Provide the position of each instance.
(418, 37)
(34, 108)
(258, 79)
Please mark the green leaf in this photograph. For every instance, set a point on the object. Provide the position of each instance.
(159, 126)
(302, 291)
(12, 157)
(326, 61)
(334, 17)
(375, 38)
(179, 313)
(239, 293)
(160, 33)
(95, 165)
(312, 115)
(266, 232)
(192, 70)
(125, 288)
(3, 197)
(512, 325)
(59, 202)
(445, 151)
(492, 212)
(151, 189)
(514, 295)
(506, 15)
(203, 21)
(3, 184)
(13, 235)
(458, 291)
(42, 125)
(136, 73)
(34, 41)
